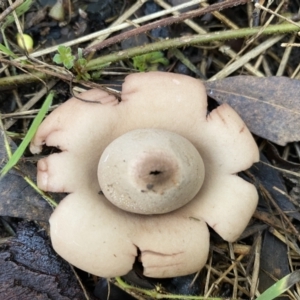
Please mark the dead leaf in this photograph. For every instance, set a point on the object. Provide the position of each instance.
(269, 106)
(18, 199)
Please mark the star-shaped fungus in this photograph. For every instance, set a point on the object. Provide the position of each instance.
(145, 176)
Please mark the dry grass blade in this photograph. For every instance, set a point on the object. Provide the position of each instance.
(165, 22)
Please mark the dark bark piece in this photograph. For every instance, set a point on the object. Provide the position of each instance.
(269, 106)
(274, 261)
(184, 285)
(17, 198)
(269, 178)
(30, 269)
(274, 253)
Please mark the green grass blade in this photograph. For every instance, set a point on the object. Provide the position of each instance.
(6, 51)
(31, 132)
(280, 286)
(20, 10)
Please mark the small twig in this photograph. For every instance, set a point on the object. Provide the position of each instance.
(235, 271)
(229, 280)
(276, 14)
(80, 282)
(157, 46)
(10, 9)
(230, 68)
(285, 57)
(37, 96)
(105, 32)
(268, 22)
(284, 239)
(187, 41)
(256, 267)
(214, 284)
(164, 22)
(254, 37)
(290, 45)
(154, 294)
(296, 174)
(46, 197)
(126, 15)
(62, 74)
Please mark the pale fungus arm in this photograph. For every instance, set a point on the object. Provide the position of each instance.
(144, 175)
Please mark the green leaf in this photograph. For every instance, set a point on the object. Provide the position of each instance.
(30, 133)
(57, 59)
(80, 68)
(80, 53)
(149, 61)
(280, 286)
(81, 62)
(64, 57)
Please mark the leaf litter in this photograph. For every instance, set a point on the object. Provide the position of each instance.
(269, 106)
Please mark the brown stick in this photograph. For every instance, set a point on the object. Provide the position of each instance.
(10, 9)
(164, 22)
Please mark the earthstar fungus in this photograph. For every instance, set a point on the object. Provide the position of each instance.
(150, 171)
(164, 168)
